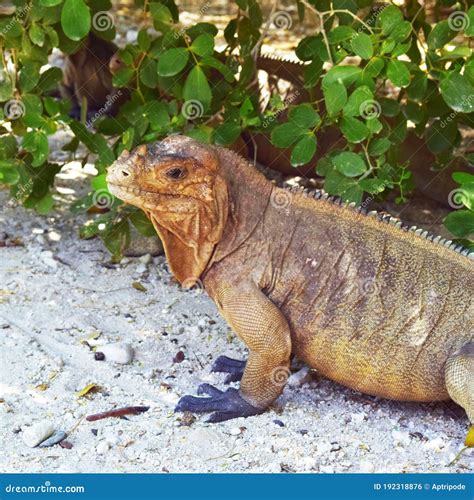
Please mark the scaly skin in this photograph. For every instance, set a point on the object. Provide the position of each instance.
(370, 305)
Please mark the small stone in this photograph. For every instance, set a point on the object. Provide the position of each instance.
(102, 448)
(179, 358)
(401, 438)
(300, 378)
(141, 268)
(66, 444)
(436, 444)
(99, 356)
(145, 259)
(37, 433)
(120, 352)
(186, 419)
(235, 431)
(56, 438)
(279, 423)
(94, 431)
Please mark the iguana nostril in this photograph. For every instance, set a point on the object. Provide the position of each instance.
(125, 173)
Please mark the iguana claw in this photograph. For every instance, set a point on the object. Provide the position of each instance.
(225, 405)
(234, 367)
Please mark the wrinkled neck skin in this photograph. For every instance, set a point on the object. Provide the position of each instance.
(190, 236)
(248, 193)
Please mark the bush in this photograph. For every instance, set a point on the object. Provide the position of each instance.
(403, 71)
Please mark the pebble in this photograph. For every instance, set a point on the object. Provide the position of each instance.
(37, 433)
(102, 448)
(56, 438)
(145, 259)
(300, 378)
(121, 352)
(279, 423)
(401, 438)
(436, 444)
(141, 268)
(235, 431)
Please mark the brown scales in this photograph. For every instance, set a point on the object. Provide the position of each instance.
(384, 309)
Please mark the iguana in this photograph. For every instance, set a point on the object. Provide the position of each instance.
(384, 309)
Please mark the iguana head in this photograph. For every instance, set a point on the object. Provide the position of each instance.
(176, 182)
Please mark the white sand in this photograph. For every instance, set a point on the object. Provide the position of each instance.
(47, 306)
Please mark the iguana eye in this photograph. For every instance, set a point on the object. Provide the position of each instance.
(176, 173)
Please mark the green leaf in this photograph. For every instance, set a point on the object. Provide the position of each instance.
(350, 164)
(460, 223)
(197, 88)
(227, 133)
(374, 66)
(221, 67)
(440, 35)
(344, 74)
(469, 30)
(458, 92)
(148, 73)
(143, 40)
(37, 35)
(373, 186)
(401, 31)
(203, 45)
(398, 73)
(117, 238)
(29, 75)
(6, 87)
(362, 46)
(36, 142)
(358, 101)
(335, 96)
(9, 173)
(162, 16)
(45, 204)
(75, 19)
(379, 146)
(122, 77)
(172, 61)
(440, 135)
(390, 18)
(353, 129)
(286, 134)
(304, 150)
(340, 33)
(142, 223)
(304, 116)
(50, 3)
(417, 88)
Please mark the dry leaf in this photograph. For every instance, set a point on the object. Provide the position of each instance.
(138, 286)
(88, 389)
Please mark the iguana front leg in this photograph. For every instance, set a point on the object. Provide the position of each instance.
(264, 329)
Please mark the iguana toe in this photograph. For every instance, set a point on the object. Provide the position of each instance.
(225, 405)
(234, 367)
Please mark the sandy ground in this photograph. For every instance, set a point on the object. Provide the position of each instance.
(56, 291)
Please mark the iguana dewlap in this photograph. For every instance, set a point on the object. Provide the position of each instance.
(377, 307)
